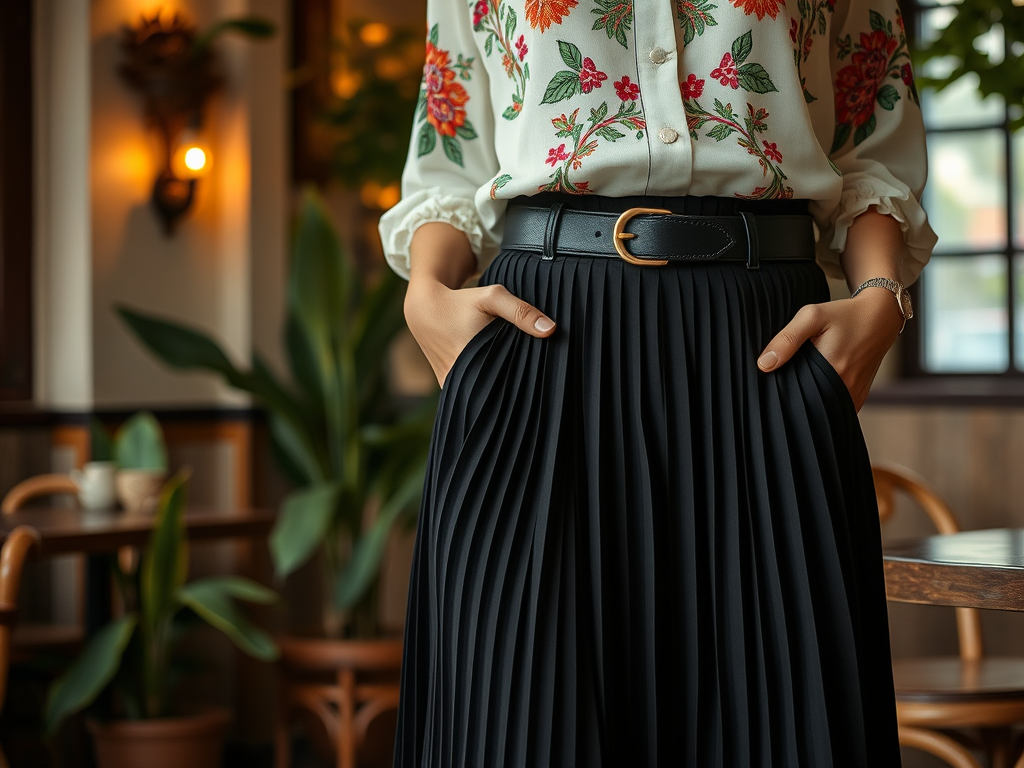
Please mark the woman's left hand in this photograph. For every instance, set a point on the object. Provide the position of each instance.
(852, 334)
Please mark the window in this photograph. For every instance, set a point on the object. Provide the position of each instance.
(970, 299)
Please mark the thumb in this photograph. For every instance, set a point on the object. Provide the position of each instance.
(496, 300)
(806, 324)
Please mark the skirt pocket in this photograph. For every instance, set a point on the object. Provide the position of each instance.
(476, 343)
(842, 391)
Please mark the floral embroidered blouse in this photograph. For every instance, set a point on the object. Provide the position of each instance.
(755, 99)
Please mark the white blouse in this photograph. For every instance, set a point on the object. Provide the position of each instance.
(755, 99)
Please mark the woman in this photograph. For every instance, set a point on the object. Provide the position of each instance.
(648, 534)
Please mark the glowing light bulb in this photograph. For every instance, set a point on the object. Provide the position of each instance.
(191, 158)
(374, 34)
(195, 159)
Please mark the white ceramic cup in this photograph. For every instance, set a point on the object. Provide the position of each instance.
(95, 483)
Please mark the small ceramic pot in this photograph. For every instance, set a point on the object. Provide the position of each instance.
(139, 489)
(195, 741)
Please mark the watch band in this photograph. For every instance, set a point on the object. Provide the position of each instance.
(897, 289)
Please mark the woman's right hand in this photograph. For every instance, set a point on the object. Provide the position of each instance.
(443, 320)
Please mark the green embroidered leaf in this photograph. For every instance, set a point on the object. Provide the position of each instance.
(835, 168)
(466, 131)
(452, 150)
(500, 182)
(564, 85)
(489, 44)
(887, 96)
(608, 133)
(434, 37)
(753, 77)
(741, 47)
(864, 131)
(576, 132)
(803, 8)
(587, 149)
(844, 46)
(421, 108)
(808, 98)
(724, 110)
(694, 16)
(877, 21)
(426, 141)
(511, 113)
(841, 136)
(599, 114)
(571, 55)
(526, 72)
(822, 24)
(721, 131)
(510, 23)
(615, 17)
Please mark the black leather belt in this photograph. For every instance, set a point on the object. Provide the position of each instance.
(651, 236)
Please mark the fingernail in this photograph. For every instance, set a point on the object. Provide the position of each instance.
(543, 324)
(767, 361)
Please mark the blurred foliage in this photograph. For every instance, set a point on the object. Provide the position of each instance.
(376, 76)
(139, 444)
(999, 74)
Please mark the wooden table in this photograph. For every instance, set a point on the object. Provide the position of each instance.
(971, 569)
(100, 534)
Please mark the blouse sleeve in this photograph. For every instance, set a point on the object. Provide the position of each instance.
(879, 141)
(451, 156)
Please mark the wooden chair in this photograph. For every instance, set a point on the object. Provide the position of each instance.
(31, 639)
(12, 558)
(940, 699)
(345, 684)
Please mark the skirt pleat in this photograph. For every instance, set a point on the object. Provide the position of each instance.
(635, 549)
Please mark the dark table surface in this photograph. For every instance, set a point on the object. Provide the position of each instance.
(974, 569)
(65, 530)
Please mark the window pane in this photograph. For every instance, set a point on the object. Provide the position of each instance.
(959, 104)
(964, 315)
(1018, 311)
(1018, 184)
(966, 192)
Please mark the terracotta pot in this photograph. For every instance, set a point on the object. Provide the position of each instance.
(194, 741)
(139, 489)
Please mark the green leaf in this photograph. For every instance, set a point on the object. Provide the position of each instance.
(877, 21)
(139, 444)
(364, 565)
(753, 77)
(599, 114)
(511, 113)
(466, 131)
(510, 24)
(434, 35)
(608, 133)
(100, 446)
(452, 150)
(489, 44)
(721, 131)
(164, 567)
(213, 600)
(94, 668)
(426, 140)
(864, 131)
(888, 96)
(564, 85)
(302, 525)
(571, 56)
(841, 136)
(741, 47)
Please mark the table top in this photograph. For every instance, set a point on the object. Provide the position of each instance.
(973, 569)
(66, 529)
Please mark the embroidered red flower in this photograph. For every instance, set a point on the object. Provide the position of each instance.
(521, 48)
(557, 155)
(692, 87)
(590, 76)
(771, 151)
(544, 13)
(626, 90)
(857, 83)
(907, 75)
(479, 11)
(792, 30)
(446, 98)
(760, 7)
(726, 73)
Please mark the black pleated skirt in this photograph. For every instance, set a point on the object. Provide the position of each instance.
(636, 549)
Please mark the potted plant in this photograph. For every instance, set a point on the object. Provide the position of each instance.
(141, 457)
(132, 662)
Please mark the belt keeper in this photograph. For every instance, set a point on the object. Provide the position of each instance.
(753, 259)
(551, 230)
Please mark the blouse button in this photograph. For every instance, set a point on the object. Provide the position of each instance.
(668, 135)
(658, 55)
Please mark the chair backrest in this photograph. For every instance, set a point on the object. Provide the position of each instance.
(889, 480)
(12, 559)
(40, 485)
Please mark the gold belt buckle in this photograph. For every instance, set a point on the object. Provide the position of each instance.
(621, 235)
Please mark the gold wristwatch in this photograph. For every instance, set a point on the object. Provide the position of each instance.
(902, 295)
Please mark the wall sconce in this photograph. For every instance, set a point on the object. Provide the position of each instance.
(174, 67)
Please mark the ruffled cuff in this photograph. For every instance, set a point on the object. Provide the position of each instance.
(428, 205)
(918, 237)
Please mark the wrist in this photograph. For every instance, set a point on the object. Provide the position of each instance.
(881, 305)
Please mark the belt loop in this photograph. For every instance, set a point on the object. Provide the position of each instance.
(551, 230)
(753, 258)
